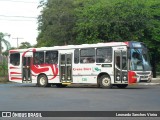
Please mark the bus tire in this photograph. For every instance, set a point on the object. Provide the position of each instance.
(60, 86)
(122, 86)
(42, 81)
(105, 82)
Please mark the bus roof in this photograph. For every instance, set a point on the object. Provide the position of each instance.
(72, 46)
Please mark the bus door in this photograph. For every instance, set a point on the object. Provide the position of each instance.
(26, 72)
(65, 70)
(120, 66)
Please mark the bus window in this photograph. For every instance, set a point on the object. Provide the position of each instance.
(136, 61)
(87, 55)
(121, 63)
(104, 55)
(15, 59)
(118, 61)
(63, 59)
(68, 58)
(38, 58)
(76, 56)
(124, 63)
(51, 57)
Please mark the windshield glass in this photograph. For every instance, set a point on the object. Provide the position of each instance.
(140, 60)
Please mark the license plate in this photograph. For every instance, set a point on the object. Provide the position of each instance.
(143, 78)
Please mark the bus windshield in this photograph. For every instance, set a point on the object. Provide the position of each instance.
(140, 59)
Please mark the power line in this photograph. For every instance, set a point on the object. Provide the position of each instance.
(18, 1)
(19, 16)
(17, 20)
(17, 38)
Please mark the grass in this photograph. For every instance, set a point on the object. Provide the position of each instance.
(4, 79)
(3, 74)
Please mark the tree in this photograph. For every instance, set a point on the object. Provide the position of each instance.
(25, 45)
(104, 21)
(6, 53)
(56, 23)
(3, 60)
(152, 34)
(2, 35)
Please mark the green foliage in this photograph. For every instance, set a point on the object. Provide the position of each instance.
(56, 23)
(91, 21)
(5, 53)
(3, 67)
(115, 21)
(24, 45)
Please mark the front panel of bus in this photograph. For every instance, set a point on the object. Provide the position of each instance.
(139, 63)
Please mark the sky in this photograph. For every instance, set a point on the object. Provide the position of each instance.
(19, 19)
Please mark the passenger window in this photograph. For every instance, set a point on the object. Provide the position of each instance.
(51, 57)
(76, 56)
(15, 59)
(104, 55)
(38, 58)
(87, 55)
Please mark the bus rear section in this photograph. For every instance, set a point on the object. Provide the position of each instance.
(32, 66)
(19, 66)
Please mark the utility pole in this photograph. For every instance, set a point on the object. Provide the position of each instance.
(17, 38)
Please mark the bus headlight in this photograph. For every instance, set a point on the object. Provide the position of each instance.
(118, 77)
(124, 78)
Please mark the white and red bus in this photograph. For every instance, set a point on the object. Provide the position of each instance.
(105, 64)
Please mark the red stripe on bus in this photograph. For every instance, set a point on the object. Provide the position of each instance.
(15, 73)
(13, 51)
(55, 71)
(13, 67)
(37, 70)
(15, 78)
(127, 43)
(30, 50)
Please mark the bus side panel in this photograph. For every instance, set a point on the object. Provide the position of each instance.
(88, 73)
(85, 73)
(50, 70)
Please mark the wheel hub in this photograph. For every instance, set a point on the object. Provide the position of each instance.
(42, 81)
(106, 82)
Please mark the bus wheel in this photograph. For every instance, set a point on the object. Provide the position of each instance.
(122, 85)
(42, 81)
(60, 86)
(105, 81)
